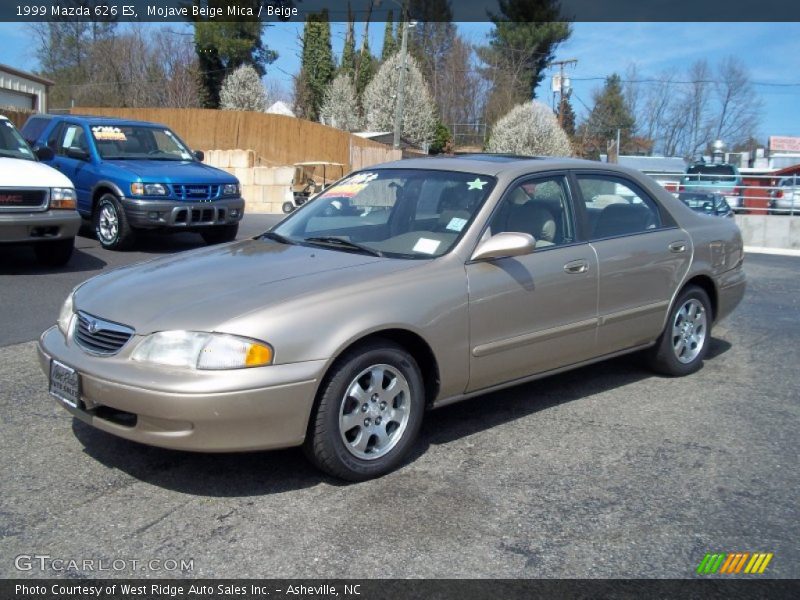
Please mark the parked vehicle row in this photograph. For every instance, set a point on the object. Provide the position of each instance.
(403, 287)
(131, 175)
(37, 203)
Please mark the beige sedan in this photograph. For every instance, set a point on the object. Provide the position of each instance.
(404, 287)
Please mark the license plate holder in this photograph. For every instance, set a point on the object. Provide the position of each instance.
(65, 384)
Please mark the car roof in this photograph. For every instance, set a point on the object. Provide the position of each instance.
(493, 164)
(95, 120)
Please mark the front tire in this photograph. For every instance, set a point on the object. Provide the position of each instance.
(219, 234)
(288, 207)
(684, 342)
(111, 224)
(368, 414)
(55, 253)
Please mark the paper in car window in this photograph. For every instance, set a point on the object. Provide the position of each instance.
(69, 137)
(109, 134)
(456, 224)
(426, 246)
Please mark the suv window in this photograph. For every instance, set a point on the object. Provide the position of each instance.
(538, 207)
(711, 173)
(616, 206)
(73, 136)
(33, 128)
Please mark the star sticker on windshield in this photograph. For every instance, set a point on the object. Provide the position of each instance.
(476, 185)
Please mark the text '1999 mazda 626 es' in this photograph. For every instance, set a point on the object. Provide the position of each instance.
(403, 287)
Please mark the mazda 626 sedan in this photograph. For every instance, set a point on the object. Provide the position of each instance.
(403, 287)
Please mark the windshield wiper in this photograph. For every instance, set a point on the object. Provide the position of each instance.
(270, 235)
(343, 243)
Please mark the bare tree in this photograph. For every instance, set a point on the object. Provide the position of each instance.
(737, 107)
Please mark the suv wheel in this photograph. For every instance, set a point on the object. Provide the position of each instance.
(111, 225)
(55, 253)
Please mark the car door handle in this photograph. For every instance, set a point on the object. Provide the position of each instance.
(677, 247)
(576, 267)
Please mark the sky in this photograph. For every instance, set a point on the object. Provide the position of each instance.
(769, 50)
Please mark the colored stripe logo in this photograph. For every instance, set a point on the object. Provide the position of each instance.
(734, 563)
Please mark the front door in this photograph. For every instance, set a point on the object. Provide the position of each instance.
(531, 314)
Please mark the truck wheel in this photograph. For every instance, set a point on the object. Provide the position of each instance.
(220, 234)
(288, 207)
(55, 253)
(368, 413)
(111, 224)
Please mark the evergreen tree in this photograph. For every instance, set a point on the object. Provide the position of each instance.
(348, 66)
(317, 66)
(366, 70)
(610, 113)
(568, 120)
(389, 41)
(223, 46)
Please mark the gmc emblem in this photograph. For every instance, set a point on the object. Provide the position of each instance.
(10, 198)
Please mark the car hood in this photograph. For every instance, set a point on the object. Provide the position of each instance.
(17, 172)
(164, 171)
(202, 289)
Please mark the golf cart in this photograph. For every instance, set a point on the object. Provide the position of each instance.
(310, 178)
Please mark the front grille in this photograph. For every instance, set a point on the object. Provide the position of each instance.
(100, 337)
(16, 198)
(196, 191)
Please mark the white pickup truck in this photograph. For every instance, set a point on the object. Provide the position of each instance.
(37, 203)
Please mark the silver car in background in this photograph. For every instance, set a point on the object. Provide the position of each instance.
(403, 287)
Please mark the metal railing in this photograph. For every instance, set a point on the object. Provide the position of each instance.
(746, 194)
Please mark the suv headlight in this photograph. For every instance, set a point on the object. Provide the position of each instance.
(66, 313)
(200, 350)
(63, 198)
(149, 189)
(230, 189)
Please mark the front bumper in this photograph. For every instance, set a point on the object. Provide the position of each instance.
(209, 411)
(26, 227)
(178, 214)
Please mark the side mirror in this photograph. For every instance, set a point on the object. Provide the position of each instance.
(44, 153)
(77, 153)
(507, 243)
(199, 155)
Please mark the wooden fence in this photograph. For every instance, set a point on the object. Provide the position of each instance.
(17, 117)
(276, 139)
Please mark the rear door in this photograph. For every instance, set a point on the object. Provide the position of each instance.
(530, 314)
(642, 255)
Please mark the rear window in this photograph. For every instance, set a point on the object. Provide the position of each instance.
(711, 172)
(33, 128)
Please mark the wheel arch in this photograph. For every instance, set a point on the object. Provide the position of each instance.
(411, 342)
(706, 283)
(105, 187)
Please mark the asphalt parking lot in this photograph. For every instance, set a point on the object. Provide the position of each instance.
(608, 471)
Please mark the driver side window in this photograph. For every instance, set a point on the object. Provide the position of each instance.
(537, 207)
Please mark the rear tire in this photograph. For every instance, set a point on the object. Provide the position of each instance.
(683, 344)
(55, 253)
(288, 207)
(111, 224)
(368, 412)
(219, 234)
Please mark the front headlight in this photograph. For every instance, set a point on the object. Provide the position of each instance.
(230, 189)
(149, 189)
(65, 315)
(200, 350)
(63, 198)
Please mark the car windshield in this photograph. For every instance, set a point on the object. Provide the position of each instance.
(399, 213)
(711, 173)
(138, 142)
(11, 143)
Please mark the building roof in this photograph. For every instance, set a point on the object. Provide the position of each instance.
(26, 75)
(652, 164)
(280, 108)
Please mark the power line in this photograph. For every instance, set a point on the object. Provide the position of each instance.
(654, 80)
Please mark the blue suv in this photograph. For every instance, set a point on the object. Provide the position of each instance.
(132, 175)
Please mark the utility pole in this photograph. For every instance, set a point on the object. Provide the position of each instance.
(562, 88)
(401, 80)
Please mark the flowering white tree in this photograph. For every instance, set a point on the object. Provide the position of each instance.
(380, 98)
(340, 105)
(531, 129)
(243, 90)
